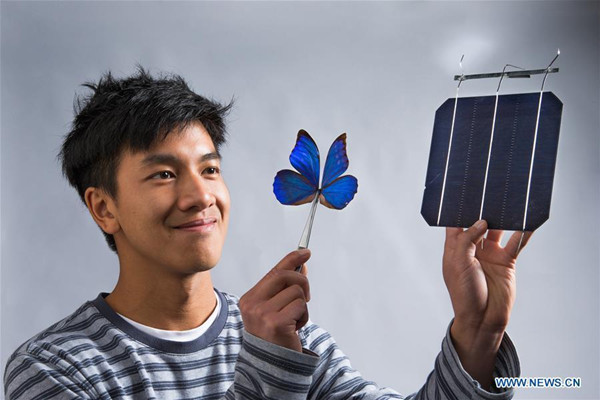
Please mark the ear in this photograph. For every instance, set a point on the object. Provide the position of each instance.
(102, 208)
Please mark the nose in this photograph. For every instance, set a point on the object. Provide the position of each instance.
(194, 192)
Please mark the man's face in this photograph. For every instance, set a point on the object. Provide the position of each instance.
(172, 204)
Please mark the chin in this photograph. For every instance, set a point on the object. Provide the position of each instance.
(199, 259)
(202, 264)
(192, 269)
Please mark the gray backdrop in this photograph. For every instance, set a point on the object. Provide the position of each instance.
(377, 71)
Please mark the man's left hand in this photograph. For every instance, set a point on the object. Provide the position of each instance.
(480, 278)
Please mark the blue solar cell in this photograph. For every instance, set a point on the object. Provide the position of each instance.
(517, 193)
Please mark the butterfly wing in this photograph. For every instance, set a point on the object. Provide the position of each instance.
(294, 189)
(339, 193)
(305, 158)
(337, 160)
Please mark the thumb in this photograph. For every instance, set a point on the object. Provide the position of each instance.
(291, 261)
(475, 233)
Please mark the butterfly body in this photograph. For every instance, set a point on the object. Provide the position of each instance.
(295, 188)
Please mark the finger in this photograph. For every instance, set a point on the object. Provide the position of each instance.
(304, 270)
(276, 281)
(495, 235)
(474, 234)
(285, 297)
(303, 319)
(452, 232)
(293, 259)
(297, 311)
(512, 247)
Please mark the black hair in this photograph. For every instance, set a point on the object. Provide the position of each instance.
(131, 113)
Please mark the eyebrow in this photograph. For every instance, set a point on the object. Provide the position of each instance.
(160, 158)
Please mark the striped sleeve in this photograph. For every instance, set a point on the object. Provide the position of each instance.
(266, 371)
(336, 379)
(450, 381)
(37, 373)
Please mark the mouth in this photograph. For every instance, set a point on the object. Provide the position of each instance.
(203, 225)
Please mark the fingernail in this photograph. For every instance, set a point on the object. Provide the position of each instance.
(479, 224)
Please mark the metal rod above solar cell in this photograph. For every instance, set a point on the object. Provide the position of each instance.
(510, 74)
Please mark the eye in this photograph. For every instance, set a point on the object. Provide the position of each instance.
(163, 175)
(212, 170)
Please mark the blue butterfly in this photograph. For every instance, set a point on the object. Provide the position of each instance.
(293, 188)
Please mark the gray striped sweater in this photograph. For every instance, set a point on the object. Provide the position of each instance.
(95, 354)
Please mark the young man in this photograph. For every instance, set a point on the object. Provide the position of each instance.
(143, 155)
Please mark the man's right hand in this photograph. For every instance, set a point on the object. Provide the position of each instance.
(275, 308)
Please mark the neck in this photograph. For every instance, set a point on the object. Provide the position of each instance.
(163, 300)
